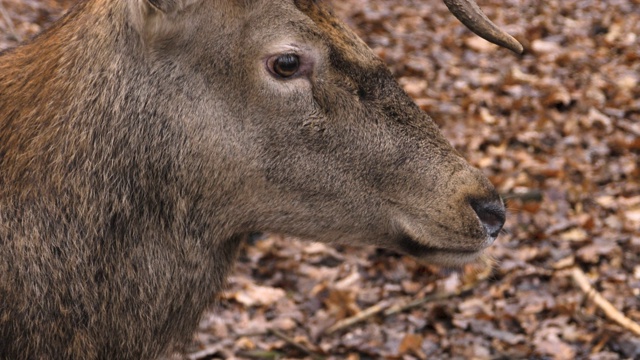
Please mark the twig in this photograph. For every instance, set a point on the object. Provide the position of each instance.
(440, 295)
(423, 300)
(296, 344)
(205, 353)
(260, 354)
(282, 336)
(532, 195)
(387, 310)
(609, 310)
(361, 316)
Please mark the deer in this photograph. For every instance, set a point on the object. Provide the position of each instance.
(141, 141)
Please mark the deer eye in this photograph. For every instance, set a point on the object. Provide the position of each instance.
(285, 66)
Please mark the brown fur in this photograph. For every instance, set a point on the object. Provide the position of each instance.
(141, 141)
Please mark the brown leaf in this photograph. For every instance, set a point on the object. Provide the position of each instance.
(411, 344)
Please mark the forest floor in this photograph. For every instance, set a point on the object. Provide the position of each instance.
(557, 130)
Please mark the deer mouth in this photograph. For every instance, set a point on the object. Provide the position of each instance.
(415, 248)
(438, 255)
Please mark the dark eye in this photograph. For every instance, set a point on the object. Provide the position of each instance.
(286, 66)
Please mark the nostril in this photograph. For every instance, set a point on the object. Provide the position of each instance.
(491, 213)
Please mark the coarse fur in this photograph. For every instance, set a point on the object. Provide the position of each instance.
(142, 140)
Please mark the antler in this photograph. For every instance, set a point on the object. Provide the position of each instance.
(468, 12)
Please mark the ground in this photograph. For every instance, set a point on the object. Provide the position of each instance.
(557, 130)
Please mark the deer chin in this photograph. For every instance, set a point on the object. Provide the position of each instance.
(451, 257)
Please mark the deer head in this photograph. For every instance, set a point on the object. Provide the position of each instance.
(315, 137)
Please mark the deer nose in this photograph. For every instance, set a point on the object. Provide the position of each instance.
(491, 213)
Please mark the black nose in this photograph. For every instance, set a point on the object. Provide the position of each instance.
(491, 213)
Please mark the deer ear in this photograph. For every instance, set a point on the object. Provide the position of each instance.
(156, 18)
(170, 6)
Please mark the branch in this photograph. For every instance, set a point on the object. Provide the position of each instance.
(297, 345)
(609, 310)
(387, 310)
(361, 316)
(440, 295)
